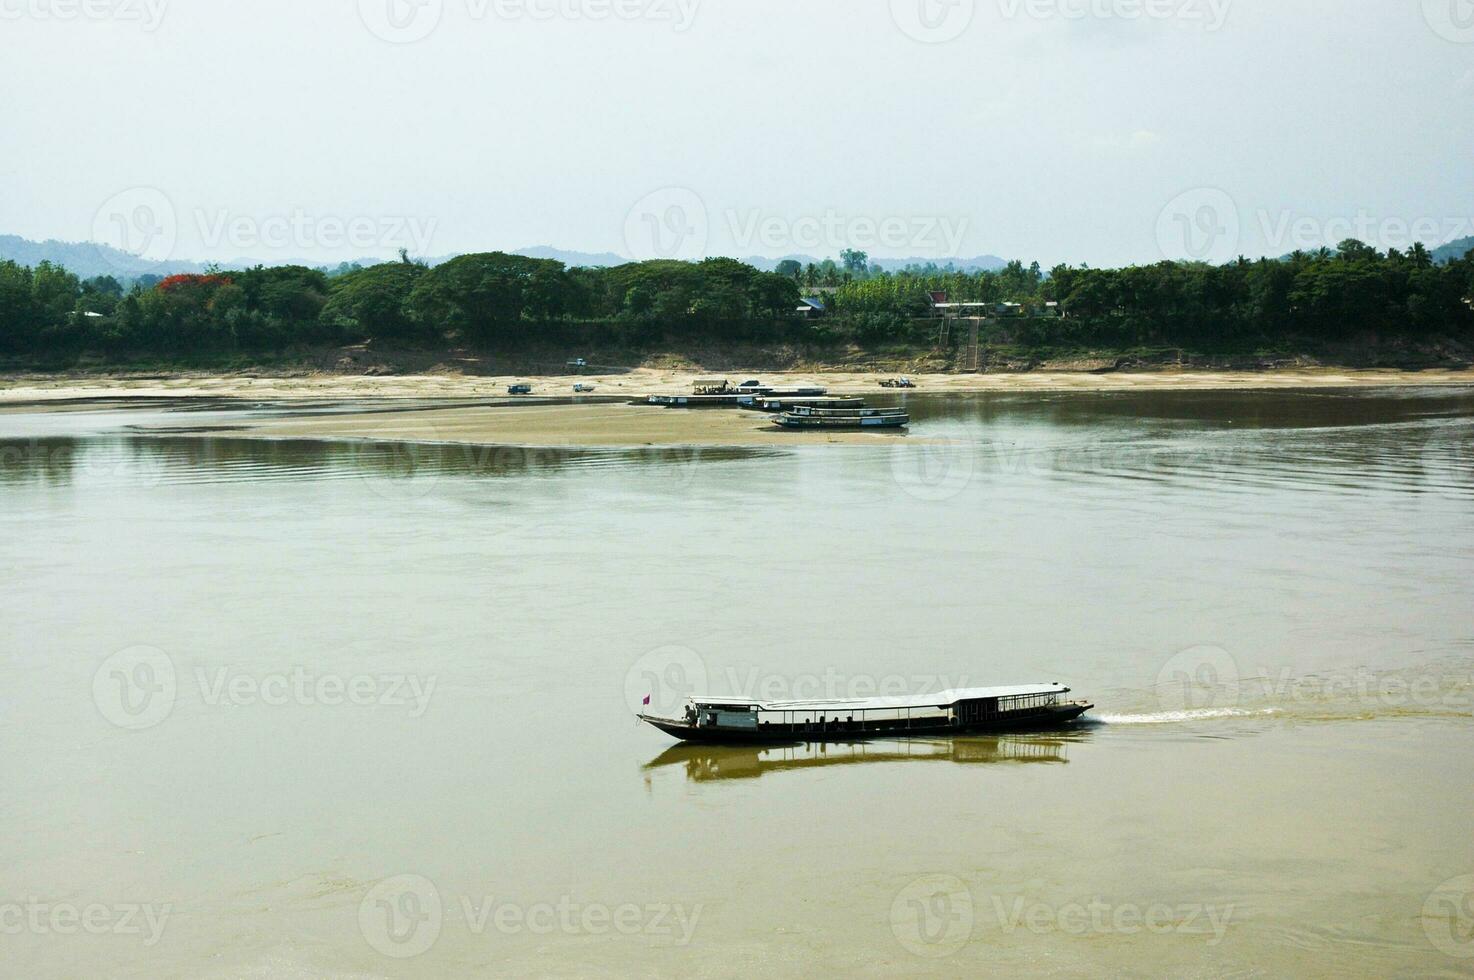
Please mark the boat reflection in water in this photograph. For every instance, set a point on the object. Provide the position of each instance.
(152, 460)
(708, 762)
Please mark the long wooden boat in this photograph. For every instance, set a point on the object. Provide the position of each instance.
(888, 420)
(787, 392)
(769, 403)
(966, 711)
(696, 401)
(853, 412)
(730, 398)
(768, 391)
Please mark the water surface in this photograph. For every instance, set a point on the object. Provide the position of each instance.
(364, 709)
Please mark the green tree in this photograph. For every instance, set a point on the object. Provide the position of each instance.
(484, 295)
(373, 302)
(19, 315)
(56, 292)
(775, 294)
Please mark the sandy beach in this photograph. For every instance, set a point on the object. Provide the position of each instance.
(604, 425)
(477, 411)
(19, 388)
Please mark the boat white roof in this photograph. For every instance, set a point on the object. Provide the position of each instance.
(934, 700)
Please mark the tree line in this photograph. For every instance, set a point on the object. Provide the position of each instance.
(499, 299)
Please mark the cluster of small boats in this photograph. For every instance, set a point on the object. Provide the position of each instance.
(792, 408)
(720, 394)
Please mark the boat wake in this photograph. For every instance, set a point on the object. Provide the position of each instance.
(1187, 714)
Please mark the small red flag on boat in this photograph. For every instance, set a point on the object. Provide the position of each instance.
(647, 700)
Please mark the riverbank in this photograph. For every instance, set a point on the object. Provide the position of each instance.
(600, 425)
(453, 409)
(58, 388)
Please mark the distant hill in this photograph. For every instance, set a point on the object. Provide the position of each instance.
(980, 263)
(572, 258)
(1442, 255)
(1453, 251)
(88, 259)
(990, 263)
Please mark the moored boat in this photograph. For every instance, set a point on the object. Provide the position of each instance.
(876, 418)
(856, 412)
(710, 397)
(760, 390)
(697, 401)
(719, 720)
(800, 392)
(770, 403)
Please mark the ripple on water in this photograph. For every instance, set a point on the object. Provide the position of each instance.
(1185, 715)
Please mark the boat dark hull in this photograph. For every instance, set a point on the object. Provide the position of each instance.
(828, 422)
(1039, 719)
(787, 406)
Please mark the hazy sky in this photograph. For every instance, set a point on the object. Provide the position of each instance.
(1100, 131)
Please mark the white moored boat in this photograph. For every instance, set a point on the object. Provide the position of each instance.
(956, 712)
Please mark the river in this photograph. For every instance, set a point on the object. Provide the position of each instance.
(299, 708)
